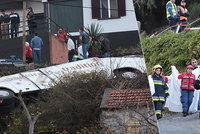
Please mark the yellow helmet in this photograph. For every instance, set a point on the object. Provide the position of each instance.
(156, 67)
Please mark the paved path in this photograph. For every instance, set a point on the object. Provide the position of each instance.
(176, 124)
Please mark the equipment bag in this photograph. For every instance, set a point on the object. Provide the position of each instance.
(197, 83)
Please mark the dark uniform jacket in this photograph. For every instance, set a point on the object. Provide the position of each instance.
(161, 88)
(14, 18)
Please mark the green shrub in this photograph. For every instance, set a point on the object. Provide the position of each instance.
(194, 10)
(73, 104)
(171, 49)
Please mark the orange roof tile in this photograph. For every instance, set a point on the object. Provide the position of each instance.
(113, 98)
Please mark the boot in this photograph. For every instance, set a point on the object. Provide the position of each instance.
(158, 116)
(185, 114)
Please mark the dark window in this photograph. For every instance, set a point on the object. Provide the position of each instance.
(105, 9)
(114, 8)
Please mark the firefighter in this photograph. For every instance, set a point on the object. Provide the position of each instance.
(187, 89)
(161, 90)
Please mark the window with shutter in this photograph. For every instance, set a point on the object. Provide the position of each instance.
(122, 7)
(95, 9)
(108, 9)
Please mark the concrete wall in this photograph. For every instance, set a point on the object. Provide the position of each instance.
(58, 51)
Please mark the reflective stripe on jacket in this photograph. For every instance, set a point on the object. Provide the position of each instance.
(187, 81)
(171, 9)
(160, 88)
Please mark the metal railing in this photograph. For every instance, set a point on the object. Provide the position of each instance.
(176, 28)
(39, 26)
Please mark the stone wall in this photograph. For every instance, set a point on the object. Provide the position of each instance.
(126, 121)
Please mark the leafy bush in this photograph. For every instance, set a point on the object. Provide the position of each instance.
(94, 30)
(73, 104)
(194, 10)
(171, 49)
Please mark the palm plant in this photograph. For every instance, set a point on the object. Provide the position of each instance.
(94, 30)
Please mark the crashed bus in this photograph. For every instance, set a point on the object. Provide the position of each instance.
(45, 78)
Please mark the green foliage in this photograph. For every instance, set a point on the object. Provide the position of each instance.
(171, 49)
(194, 10)
(94, 30)
(148, 3)
(16, 124)
(73, 104)
(127, 51)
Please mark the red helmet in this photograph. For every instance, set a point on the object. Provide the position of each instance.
(190, 67)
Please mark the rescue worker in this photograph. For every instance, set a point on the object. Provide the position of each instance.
(187, 89)
(172, 12)
(161, 90)
(183, 12)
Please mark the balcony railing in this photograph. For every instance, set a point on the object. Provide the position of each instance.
(40, 25)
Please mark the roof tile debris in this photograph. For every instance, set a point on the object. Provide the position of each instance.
(113, 98)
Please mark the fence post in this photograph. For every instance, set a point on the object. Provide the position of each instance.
(24, 31)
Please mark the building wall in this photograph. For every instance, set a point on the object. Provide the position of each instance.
(10, 4)
(126, 23)
(67, 14)
(38, 7)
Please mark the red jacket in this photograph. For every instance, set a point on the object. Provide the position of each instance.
(62, 36)
(29, 52)
(187, 81)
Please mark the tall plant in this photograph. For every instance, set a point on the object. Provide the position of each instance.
(94, 30)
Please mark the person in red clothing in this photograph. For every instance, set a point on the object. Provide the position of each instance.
(62, 35)
(29, 53)
(187, 89)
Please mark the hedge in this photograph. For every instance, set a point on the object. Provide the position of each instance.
(170, 49)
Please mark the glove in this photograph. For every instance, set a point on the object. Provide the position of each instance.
(166, 95)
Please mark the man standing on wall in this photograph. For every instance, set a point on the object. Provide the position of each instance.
(187, 89)
(172, 12)
(15, 21)
(84, 41)
(5, 25)
(36, 45)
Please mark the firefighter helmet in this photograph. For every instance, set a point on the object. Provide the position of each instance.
(156, 67)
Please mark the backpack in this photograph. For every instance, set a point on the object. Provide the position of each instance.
(197, 83)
